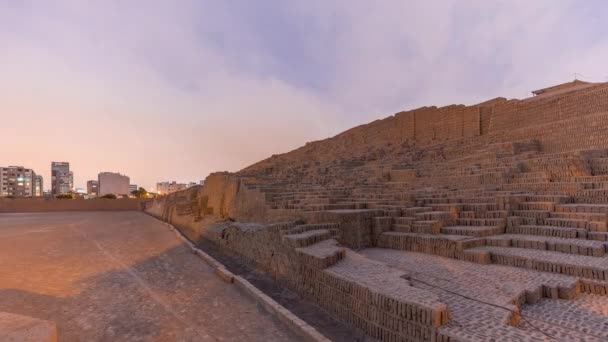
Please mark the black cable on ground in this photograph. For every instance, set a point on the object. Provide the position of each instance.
(482, 302)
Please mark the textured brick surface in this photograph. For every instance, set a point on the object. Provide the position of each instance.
(517, 188)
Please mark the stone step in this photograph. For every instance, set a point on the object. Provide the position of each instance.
(546, 206)
(536, 214)
(597, 236)
(385, 290)
(446, 207)
(308, 227)
(478, 200)
(599, 217)
(480, 207)
(475, 231)
(549, 261)
(568, 246)
(441, 216)
(404, 220)
(405, 228)
(319, 207)
(451, 246)
(321, 254)
(426, 227)
(567, 223)
(582, 208)
(487, 214)
(568, 233)
(307, 238)
(415, 210)
(481, 222)
(548, 198)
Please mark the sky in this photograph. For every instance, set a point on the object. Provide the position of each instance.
(175, 89)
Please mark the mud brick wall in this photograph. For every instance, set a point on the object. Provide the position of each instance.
(403, 175)
(515, 114)
(571, 134)
(558, 167)
(378, 315)
(30, 205)
(356, 227)
(447, 248)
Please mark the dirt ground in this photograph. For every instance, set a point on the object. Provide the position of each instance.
(120, 276)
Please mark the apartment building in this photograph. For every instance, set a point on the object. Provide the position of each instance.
(62, 179)
(92, 187)
(113, 183)
(17, 181)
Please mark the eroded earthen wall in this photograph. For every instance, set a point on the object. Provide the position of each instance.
(43, 205)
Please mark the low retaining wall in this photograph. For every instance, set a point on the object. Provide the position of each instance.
(297, 325)
(32, 205)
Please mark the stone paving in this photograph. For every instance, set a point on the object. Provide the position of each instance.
(584, 318)
(120, 276)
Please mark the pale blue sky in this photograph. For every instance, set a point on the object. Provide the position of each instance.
(164, 90)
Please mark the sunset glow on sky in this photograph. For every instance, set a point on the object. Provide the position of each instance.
(174, 90)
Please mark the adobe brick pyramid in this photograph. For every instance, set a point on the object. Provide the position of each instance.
(459, 223)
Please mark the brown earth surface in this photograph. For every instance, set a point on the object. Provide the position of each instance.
(120, 276)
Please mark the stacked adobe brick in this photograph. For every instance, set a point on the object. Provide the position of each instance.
(507, 182)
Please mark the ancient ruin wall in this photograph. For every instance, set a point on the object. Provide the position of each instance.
(222, 198)
(32, 205)
(496, 120)
(538, 111)
(379, 313)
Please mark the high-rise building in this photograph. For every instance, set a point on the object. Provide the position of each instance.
(38, 186)
(163, 188)
(17, 181)
(92, 187)
(62, 179)
(113, 183)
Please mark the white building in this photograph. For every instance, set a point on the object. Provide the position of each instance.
(163, 188)
(113, 183)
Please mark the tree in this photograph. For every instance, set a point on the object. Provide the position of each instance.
(140, 193)
(109, 196)
(68, 195)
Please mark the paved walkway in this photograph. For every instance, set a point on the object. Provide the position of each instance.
(120, 276)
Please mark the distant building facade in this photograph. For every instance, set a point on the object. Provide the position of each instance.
(92, 187)
(17, 181)
(163, 188)
(133, 187)
(113, 183)
(62, 179)
(38, 186)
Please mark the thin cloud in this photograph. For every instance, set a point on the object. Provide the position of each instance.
(174, 92)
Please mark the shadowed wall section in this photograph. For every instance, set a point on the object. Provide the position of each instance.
(42, 205)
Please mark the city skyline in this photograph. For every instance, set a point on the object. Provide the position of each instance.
(158, 100)
(47, 183)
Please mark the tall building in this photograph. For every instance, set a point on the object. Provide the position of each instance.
(17, 181)
(113, 183)
(38, 186)
(62, 179)
(163, 188)
(92, 187)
